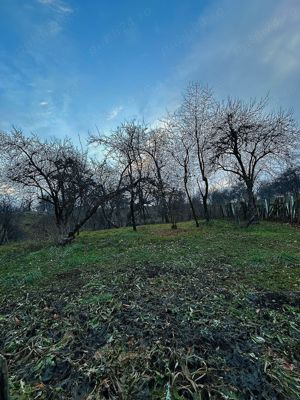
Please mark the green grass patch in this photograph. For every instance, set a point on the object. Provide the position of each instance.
(265, 247)
(193, 313)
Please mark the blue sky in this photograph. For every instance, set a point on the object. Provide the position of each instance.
(69, 66)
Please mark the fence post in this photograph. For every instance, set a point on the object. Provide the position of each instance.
(3, 379)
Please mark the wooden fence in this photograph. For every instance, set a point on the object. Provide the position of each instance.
(283, 208)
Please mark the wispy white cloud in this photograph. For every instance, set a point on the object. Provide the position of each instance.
(58, 6)
(114, 113)
(54, 27)
(239, 53)
(59, 12)
(241, 49)
(47, 2)
(282, 53)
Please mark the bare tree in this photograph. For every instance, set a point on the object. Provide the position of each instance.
(56, 170)
(8, 219)
(124, 149)
(62, 176)
(181, 149)
(195, 119)
(248, 139)
(175, 203)
(156, 151)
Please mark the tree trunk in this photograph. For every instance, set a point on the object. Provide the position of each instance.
(205, 199)
(191, 205)
(133, 222)
(93, 210)
(204, 196)
(174, 225)
(205, 208)
(252, 210)
(62, 233)
(164, 207)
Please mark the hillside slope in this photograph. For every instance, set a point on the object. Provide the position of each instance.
(193, 313)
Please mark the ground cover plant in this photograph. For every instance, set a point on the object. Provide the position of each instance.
(193, 313)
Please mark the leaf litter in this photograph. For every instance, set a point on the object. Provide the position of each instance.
(151, 332)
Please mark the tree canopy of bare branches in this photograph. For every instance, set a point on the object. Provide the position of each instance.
(190, 128)
(56, 170)
(124, 147)
(159, 170)
(248, 139)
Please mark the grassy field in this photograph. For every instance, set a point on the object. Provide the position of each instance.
(192, 313)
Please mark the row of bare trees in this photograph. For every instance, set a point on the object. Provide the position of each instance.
(195, 148)
(243, 140)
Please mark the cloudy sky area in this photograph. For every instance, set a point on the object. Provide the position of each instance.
(69, 66)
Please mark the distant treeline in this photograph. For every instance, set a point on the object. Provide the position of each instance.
(276, 200)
